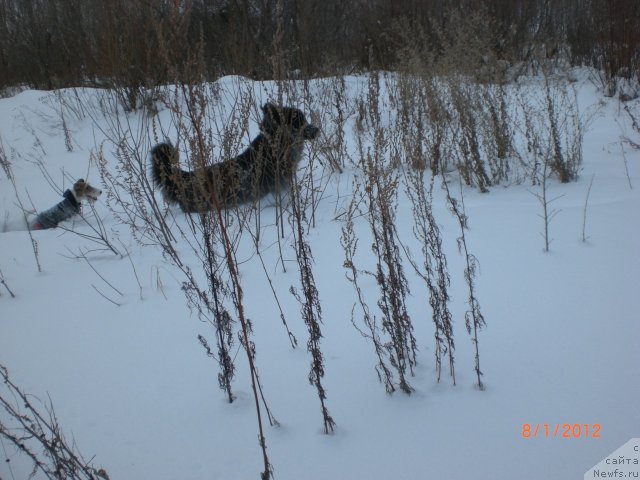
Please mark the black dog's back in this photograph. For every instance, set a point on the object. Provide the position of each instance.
(171, 180)
(265, 167)
(223, 184)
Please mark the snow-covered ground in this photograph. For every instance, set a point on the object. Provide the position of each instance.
(134, 389)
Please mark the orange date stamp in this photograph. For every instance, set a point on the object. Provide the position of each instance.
(560, 430)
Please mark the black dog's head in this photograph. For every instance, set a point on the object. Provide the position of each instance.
(287, 120)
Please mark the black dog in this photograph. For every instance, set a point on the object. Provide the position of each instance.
(267, 166)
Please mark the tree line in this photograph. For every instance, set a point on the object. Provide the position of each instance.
(50, 44)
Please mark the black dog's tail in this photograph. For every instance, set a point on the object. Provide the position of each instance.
(164, 170)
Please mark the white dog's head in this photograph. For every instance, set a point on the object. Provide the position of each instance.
(82, 190)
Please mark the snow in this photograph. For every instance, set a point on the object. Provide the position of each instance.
(135, 391)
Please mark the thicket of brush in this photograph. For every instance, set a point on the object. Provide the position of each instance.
(414, 132)
(396, 135)
(140, 44)
(447, 118)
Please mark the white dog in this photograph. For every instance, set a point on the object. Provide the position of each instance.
(67, 208)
